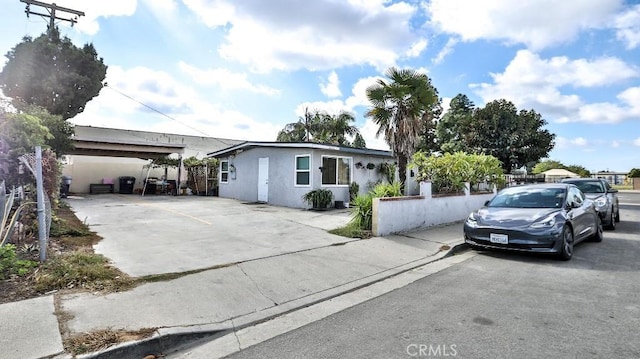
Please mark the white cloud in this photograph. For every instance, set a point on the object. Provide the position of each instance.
(627, 26)
(579, 141)
(225, 79)
(636, 142)
(316, 35)
(615, 144)
(368, 132)
(446, 50)
(532, 82)
(186, 111)
(538, 24)
(417, 48)
(332, 107)
(94, 10)
(332, 87)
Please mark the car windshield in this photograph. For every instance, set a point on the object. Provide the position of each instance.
(529, 198)
(589, 186)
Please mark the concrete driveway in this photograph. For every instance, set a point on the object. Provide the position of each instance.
(165, 234)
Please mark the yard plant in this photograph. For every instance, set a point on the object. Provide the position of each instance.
(319, 198)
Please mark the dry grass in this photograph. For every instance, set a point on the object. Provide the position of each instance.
(103, 339)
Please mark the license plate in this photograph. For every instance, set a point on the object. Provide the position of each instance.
(499, 238)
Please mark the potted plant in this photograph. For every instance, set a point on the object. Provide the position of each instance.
(319, 198)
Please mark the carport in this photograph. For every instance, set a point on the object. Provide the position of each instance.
(109, 143)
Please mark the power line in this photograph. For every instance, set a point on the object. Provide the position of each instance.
(155, 110)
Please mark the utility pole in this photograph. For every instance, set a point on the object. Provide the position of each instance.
(51, 9)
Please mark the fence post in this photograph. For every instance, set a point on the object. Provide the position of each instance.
(42, 231)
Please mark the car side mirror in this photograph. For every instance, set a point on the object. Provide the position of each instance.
(486, 203)
(612, 190)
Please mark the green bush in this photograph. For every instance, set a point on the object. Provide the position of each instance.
(10, 264)
(319, 198)
(363, 213)
(449, 172)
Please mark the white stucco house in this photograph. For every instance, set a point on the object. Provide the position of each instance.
(280, 173)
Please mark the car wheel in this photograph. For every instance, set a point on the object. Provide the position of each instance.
(612, 221)
(597, 237)
(618, 214)
(566, 250)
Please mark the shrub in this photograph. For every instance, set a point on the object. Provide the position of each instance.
(10, 264)
(319, 198)
(449, 172)
(363, 213)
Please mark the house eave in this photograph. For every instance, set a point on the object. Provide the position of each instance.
(309, 145)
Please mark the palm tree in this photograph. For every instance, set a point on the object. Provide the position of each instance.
(334, 129)
(399, 108)
(302, 131)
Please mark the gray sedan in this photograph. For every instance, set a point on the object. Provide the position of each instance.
(543, 218)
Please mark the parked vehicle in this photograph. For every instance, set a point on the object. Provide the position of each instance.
(605, 198)
(544, 218)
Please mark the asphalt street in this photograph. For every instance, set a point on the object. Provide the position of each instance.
(495, 305)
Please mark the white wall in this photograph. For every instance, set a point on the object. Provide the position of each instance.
(402, 214)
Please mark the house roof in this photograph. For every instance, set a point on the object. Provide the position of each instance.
(101, 141)
(309, 145)
(559, 172)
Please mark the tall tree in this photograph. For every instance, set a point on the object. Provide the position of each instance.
(498, 129)
(579, 170)
(450, 130)
(399, 107)
(53, 73)
(547, 165)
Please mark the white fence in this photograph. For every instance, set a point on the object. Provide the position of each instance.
(402, 214)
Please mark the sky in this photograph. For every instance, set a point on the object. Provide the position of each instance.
(243, 69)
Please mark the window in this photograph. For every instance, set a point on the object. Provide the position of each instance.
(303, 170)
(224, 171)
(336, 170)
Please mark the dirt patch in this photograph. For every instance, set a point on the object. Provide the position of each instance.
(69, 251)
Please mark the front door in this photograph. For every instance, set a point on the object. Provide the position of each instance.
(263, 179)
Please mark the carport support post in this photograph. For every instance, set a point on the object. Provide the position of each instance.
(179, 181)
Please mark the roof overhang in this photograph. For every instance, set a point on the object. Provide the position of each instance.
(115, 148)
(308, 145)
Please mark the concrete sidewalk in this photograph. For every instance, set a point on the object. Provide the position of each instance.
(220, 300)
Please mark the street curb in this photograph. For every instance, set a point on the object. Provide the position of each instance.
(168, 340)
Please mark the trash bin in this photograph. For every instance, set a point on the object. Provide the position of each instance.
(126, 184)
(64, 186)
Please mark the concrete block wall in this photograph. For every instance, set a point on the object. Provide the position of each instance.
(402, 214)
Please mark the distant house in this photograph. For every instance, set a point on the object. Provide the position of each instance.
(280, 173)
(557, 174)
(611, 177)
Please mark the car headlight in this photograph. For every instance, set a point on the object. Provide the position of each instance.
(600, 201)
(472, 221)
(547, 222)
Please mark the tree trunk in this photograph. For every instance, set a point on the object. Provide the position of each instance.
(402, 171)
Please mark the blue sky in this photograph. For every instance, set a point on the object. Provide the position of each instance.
(243, 69)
